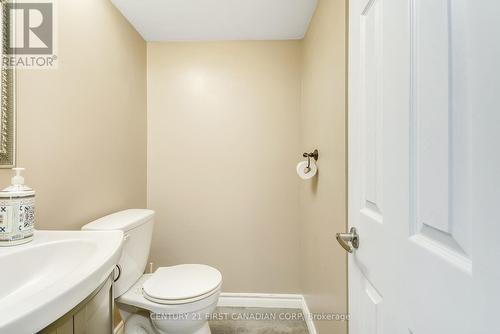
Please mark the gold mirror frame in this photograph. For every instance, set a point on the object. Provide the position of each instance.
(7, 97)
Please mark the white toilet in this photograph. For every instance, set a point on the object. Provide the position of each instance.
(173, 300)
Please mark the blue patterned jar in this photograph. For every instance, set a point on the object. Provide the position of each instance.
(17, 212)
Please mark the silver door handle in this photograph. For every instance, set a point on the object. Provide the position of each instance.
(349, 241)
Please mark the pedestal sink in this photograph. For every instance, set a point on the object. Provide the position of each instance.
(42, 280)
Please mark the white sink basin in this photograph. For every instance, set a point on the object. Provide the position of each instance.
(42, 280)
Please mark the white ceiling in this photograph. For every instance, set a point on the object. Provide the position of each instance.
(185, 20)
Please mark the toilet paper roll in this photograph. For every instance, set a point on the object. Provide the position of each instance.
(304, 173)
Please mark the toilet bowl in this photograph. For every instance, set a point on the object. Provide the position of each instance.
(170, 314)
(173, 300)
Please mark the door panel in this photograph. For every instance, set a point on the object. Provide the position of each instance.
(430, 96)
(424, 168)
(366, 170)
(433, 133)
(371, 99)
(369, 309)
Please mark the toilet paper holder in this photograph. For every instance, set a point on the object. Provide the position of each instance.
(314, 155)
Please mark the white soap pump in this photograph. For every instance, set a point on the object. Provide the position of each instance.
(17, 212)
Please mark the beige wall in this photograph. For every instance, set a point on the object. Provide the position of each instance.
(227, 123)
(82, 127)
(323, 201)
(223, 127)
(216, 112)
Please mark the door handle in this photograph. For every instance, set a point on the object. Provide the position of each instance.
(349, 241)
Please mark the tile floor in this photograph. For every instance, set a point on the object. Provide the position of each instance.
(250, 320)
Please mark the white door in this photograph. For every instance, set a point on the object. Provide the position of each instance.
(424, 166)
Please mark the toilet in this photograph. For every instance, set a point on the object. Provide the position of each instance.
(173, 300)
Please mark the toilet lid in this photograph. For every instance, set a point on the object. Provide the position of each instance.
(185, 281)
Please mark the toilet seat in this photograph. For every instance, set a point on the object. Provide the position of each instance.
(182, 284)
(182, 301)
(134, 297)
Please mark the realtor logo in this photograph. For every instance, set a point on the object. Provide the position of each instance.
(34, 23)
(31, 39)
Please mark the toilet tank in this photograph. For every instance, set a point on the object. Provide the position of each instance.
(137, 227)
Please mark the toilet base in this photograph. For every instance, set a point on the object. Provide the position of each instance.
(138, 324)
(205, 329)
(141, 324)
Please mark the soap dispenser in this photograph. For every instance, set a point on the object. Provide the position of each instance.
(17, 212)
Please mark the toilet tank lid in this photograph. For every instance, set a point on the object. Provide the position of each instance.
(122, 220)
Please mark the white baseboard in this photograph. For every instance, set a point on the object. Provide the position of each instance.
(269, 300)
(265, 300)
(308, 318)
